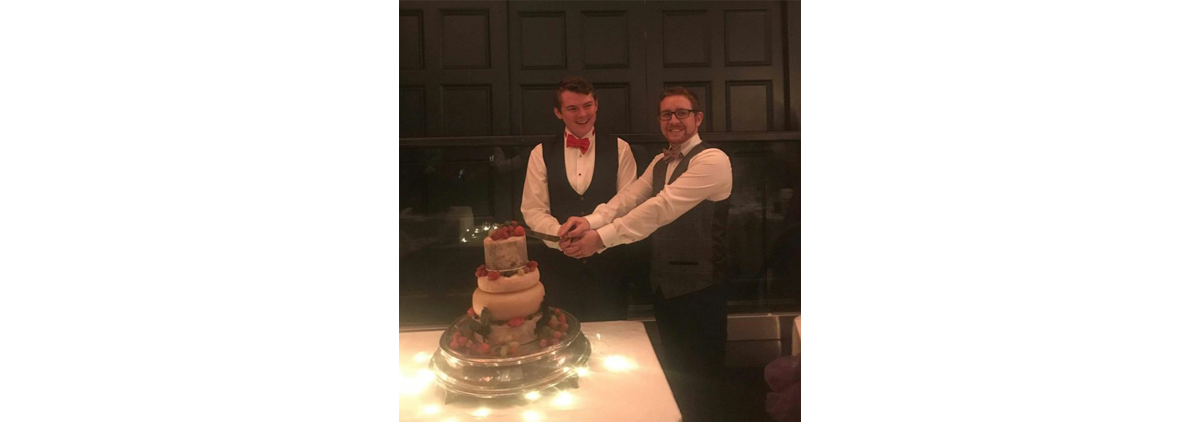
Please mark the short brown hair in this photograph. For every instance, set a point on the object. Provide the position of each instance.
(574, 84)
(679, 90)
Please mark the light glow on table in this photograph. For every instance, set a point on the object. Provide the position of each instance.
(583, 371)
(481, 412)
(533, 416)
(432, 409)
(617, 363)
(564, 399)
(421, 357)
(415, 384)
(533, 395)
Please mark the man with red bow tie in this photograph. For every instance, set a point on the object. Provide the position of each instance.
(569, 177)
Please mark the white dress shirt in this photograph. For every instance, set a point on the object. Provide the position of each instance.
(535, 200)
(633, 214)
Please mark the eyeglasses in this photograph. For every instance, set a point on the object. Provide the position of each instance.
(680, 114)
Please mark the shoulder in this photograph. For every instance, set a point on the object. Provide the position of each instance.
(712, 155)
(622, 145)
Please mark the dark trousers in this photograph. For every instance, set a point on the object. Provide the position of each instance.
(591, 289)
(693, 332)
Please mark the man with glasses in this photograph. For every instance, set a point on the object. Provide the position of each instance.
(569, 177)
(681, 202)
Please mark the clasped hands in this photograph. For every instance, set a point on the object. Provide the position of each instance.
(578, 238)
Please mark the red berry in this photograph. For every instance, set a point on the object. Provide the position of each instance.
(532, 264)
(483, 347)
(471, 312)
(565, 326)
(562, 318)
(516, 322)
(519, 231)
(557, 335)
(492, 275)
(543, 343)
(554, 341)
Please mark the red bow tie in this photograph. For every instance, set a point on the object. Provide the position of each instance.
(581, 143)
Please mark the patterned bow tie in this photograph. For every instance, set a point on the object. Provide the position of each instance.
(672, 153)
(581, 143)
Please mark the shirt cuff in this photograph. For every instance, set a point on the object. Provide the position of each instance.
(595, 221)
(608, 236)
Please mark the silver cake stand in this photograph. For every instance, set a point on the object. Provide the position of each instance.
(495, 377)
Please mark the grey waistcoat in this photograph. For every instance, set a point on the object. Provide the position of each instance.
(690, 252)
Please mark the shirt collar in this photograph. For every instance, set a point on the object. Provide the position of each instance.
(690, 143)
(591, 136)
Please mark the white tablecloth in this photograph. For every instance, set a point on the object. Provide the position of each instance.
(624, 383)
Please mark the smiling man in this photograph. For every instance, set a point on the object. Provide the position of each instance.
(681, 202)
(569, 177)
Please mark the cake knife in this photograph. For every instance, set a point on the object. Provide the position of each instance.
(542, 236)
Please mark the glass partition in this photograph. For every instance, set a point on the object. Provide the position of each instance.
(451, 189)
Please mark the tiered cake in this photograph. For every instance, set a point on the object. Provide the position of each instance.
(508, 312)
(510, 342)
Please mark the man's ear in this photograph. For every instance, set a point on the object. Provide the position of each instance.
(699, 119)
(557, 113)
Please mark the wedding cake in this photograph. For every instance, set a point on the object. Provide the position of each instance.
(508, 314)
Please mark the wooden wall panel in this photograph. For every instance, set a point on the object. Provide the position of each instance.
(456, 45)
(542, 40)
(734, 47)
(729, 51)
(792, 40)
(686, 41)
(613, 98)
(747, 38)
(412, 111)
(536, 110)
(465, 40)
(603, 43)
(468, 109)
(749, 105)
(412, 39)
(606, 40)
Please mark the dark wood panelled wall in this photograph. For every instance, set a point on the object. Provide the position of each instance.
(490, 67)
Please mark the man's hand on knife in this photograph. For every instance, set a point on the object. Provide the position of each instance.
(583, 246)
(573, 228)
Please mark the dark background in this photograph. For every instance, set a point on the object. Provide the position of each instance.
(477, 84)
(477, 89)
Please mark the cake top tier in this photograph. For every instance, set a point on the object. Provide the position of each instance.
(504, 249)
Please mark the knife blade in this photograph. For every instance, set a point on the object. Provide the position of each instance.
(542, 236)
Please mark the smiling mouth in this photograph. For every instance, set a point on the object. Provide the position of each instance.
(584, 122)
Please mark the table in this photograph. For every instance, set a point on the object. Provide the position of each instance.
(624, 382)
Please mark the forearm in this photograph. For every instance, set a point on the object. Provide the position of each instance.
(621, 203)
(535, 198)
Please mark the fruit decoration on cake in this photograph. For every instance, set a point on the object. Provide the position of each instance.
(508, 314)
